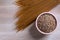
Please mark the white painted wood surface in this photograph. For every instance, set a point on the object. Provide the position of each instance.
(7, 32)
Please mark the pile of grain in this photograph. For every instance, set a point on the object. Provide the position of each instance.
(47, 23)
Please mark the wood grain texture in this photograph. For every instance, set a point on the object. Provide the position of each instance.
(31, 9)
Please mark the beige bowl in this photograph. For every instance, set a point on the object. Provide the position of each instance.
(37, 22)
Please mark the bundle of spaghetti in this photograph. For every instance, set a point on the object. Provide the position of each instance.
(30, 10)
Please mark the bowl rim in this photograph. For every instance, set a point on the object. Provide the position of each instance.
(37, 26)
